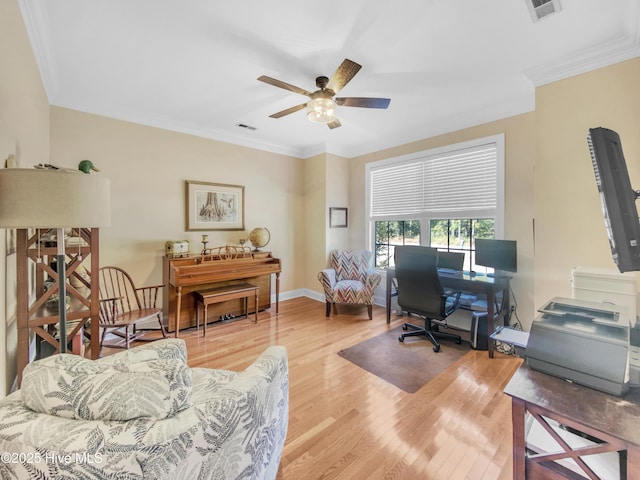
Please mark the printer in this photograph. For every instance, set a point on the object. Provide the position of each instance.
(582, 341)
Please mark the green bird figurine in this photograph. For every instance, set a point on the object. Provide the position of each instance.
(86, 166)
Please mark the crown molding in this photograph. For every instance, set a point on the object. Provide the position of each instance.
(609, 53)
(516, 105)
(617, 50)
(188, 129)
(34, 25)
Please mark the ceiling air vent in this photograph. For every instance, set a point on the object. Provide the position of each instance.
(542, 8)
(244, 125)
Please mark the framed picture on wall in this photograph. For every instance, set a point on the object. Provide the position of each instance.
(214, 206)
(338, 218)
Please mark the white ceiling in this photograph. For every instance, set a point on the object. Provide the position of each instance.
(191, 66)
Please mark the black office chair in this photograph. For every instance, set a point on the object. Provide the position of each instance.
(421, 293)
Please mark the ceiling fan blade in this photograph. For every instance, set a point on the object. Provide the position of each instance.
(343, 75)
(289, 110)
(364, 102)
(286, 86)
(335, 124)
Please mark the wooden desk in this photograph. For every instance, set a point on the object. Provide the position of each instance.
(182, 276)
(489, 286)
(614, 421)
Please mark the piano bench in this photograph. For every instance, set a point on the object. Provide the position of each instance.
(222, 294)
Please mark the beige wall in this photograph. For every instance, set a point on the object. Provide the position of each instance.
(327, 185)
(569, 223)
(314, 223)
(24, 132)
(519, 161)
(337, 196)
(148, 168)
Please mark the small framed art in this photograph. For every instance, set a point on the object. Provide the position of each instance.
(338, 217)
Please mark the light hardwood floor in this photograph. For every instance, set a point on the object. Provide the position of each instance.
(345, 423)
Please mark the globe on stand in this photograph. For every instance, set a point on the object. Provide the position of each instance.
(259, 237)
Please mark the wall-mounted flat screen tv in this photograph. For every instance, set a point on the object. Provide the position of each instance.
(617, 197)
(498, 254)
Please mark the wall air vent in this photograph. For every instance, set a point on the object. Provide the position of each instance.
(540, 9)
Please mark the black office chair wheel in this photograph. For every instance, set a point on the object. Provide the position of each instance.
(436, 348)
(401, 338)
(404, 327)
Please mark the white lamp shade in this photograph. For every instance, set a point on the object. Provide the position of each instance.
(37, 198)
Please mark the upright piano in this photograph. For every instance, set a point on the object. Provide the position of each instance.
(184, 275)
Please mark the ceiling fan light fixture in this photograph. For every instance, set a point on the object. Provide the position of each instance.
(321, 110)
(321, 107)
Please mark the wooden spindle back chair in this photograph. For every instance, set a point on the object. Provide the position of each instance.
(123, 306)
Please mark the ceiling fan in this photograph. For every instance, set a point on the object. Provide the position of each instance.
(322, 106)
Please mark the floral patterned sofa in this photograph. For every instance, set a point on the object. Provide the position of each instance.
(145, 414)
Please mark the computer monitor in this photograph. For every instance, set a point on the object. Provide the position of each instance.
(453, 261)
(498, 254)
(617, 197)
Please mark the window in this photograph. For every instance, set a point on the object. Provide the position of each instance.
(447, 235)
(459, 235)
(388, 234)
(443, 198)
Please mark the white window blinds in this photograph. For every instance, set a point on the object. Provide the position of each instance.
(446, 185)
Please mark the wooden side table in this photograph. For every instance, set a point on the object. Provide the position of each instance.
(581, 421)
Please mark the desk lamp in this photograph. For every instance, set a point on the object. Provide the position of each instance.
(50, 199)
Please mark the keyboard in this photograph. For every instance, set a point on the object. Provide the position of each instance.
(449, 271)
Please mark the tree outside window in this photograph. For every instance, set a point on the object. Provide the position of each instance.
(454, 235)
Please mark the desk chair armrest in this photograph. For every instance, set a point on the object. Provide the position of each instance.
(450, 301)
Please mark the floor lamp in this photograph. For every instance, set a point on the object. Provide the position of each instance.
(50, 199)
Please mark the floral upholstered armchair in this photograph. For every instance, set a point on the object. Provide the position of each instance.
(350, 279)
(144, 414)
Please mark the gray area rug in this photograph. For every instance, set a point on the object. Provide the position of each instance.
(409, 365)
